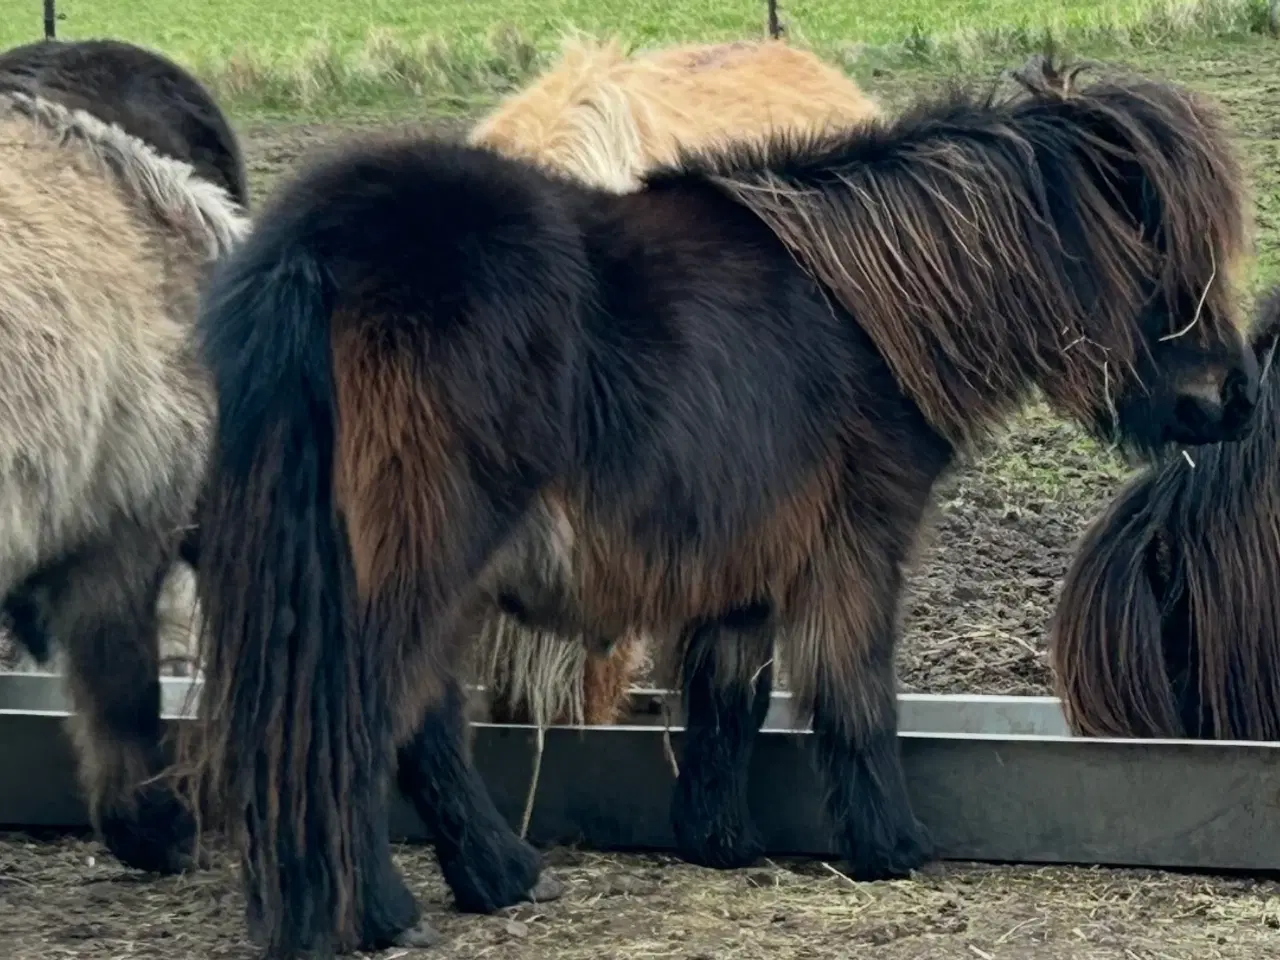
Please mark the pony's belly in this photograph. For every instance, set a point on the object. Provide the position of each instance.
(596, 574)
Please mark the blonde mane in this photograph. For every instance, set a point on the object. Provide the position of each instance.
(172, 189)
(606, 118)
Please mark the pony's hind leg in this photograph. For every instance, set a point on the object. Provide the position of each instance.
(727, 684)
(101, 604)
(844, 668)
(25, 618)
(484, 861)
(392, 916)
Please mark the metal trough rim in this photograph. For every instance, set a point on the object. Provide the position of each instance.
(995, 795)
(962, 713)
(648, 728)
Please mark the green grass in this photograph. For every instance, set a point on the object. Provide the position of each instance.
(286, 54)
(224, 28)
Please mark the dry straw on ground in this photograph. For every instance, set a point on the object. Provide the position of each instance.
(65, 899)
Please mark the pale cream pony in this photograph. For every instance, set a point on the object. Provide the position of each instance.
(607, 117)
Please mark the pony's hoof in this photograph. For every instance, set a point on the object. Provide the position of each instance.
(488, 877)
(158, 837)
(722, 853)
(547, 888)
(912, 850)
(725, 840)
(418, 937)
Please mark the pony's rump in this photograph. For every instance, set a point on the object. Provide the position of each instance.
(314, 330)
(1168, 622)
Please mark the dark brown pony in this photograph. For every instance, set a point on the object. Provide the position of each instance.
(1168, 624)
(714, 408)
(119, 181)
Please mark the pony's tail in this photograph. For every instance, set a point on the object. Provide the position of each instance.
(1106, 643)
(291, 739)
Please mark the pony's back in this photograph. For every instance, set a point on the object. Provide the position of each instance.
(607, 118)
(142, 92)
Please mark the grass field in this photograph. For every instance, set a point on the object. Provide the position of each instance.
(326, 54)
(223, 28)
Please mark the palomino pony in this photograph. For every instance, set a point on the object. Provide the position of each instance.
(607, 118)
(1168, 624)
(714, 408)
(106, 234)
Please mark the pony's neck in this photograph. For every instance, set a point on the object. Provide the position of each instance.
(966, 385)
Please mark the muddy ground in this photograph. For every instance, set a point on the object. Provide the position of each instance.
(980, 598)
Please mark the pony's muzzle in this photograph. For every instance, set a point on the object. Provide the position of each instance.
(1240, 391)
(1205, 415)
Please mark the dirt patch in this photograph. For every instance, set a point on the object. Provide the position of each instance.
(64, 898)
(275, 149)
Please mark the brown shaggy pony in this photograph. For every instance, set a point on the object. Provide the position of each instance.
(716, 407)
(105, 238)
(607, 118)
(1168, 624)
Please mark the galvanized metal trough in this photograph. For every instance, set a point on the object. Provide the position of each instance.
(993, 778)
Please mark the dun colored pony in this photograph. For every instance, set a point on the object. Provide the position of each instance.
(106, 234)
(713, 408)
(607, 119)
(1168, 624)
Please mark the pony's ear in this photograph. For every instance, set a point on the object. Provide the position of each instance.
(1049, 74)
(1264, 332)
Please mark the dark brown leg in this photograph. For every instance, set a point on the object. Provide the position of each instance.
(484, 861)
(844, 664)
(728, 679)
(101, 604)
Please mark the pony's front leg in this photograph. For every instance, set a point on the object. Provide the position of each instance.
(727, 681)
(844, 667)
(484, 861)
